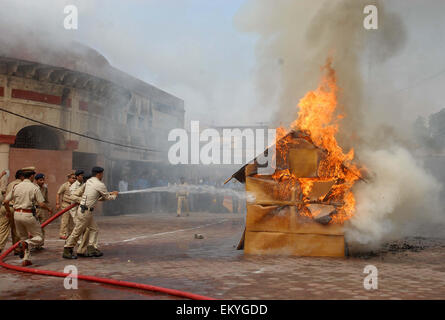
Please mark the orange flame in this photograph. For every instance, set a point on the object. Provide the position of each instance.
(318, 123)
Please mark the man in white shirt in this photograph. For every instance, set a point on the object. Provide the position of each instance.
(123, 186)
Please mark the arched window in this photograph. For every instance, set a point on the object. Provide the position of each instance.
(37, 137)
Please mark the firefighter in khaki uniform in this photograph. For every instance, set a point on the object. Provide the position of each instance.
(42, 215)
(4, 222)
(75, 186)
(7, 225)
(63, 201)
(95, 190)
(83, 242)
(26, 195)
(3, 179)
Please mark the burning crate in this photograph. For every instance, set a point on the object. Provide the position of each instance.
(300, 208)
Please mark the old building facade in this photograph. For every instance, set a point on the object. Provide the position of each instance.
(83, 94)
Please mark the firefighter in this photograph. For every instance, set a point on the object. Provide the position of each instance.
(3, 184)
(42, 214)
(63, 201)
(95, 190)
(26, 195)
(7, 225)
(76, 185)
(76, 197)
(182, 196)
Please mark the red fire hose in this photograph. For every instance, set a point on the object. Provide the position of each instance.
(135, 285)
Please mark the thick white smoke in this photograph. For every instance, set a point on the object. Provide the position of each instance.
(399, 198)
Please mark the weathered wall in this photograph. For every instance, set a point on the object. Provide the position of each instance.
(132, 122)
(54, 164)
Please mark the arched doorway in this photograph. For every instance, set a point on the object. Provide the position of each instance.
(38, 137)
(43, 148)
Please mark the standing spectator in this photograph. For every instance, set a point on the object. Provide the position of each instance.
(182, 196)
(123, 185)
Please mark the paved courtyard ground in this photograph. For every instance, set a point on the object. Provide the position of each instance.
(161, 250)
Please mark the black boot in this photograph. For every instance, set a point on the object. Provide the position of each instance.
(93, 252)
(68, 253)
(23, 245)
(98, 253)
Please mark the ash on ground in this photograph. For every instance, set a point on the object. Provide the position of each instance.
(398, 247)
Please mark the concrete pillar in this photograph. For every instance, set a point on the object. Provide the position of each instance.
(5, 142)
(4, 164)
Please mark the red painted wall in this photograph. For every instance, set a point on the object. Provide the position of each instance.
(35, 96)
(54, 164)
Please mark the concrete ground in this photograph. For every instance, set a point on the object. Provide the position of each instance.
(161, 250)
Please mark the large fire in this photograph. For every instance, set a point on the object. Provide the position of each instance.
(317, 123)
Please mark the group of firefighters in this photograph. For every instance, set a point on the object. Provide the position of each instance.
(25, 206)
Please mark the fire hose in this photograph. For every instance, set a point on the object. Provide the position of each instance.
(127, 284)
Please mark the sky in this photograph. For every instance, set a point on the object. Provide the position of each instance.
(188, 48)
(415, 77)
(193, 49)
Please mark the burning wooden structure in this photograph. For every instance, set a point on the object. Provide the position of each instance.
(300, 208)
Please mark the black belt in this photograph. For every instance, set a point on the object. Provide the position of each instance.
(85, 208)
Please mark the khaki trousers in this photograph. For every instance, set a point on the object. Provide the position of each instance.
(25, 224)
(67, 223)
(42, 216)
(182, 202)
(88, 237)
(73, 213)
(7, 227)
(84, 223)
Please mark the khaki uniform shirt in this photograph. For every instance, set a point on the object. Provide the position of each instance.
(76, 195)
(76, 185)
(64, 193)
(25, 195)
(95, 190)
(182, 192)
(3, 185)
(11, 186)
(44, 190)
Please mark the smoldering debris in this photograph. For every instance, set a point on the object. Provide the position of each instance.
(397, 248)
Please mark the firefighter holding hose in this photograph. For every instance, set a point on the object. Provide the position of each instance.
(42, 214)
(80, 181)
(7, 225)
(95, 190)
(63, 201)
(83, 242)
(26, 195)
